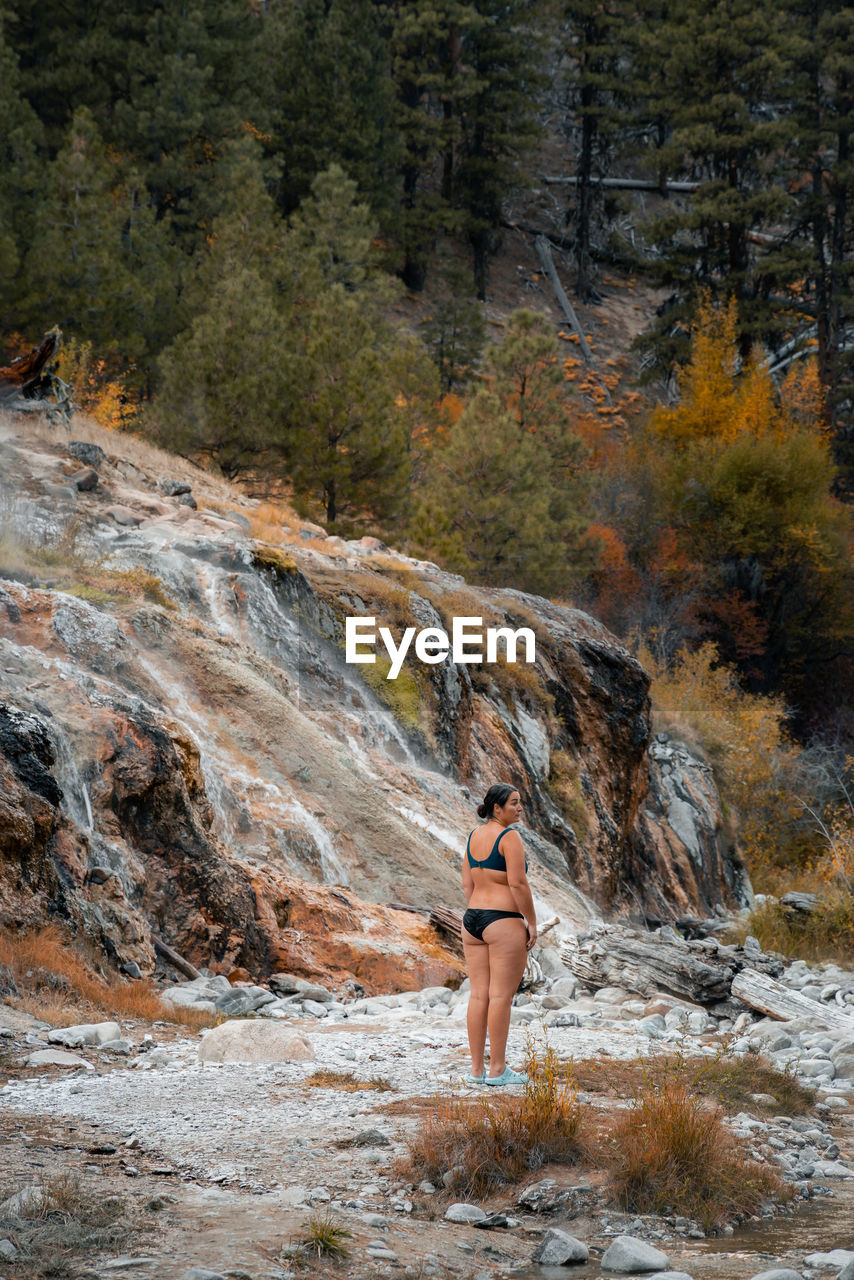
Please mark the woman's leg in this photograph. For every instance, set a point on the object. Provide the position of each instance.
(506, 942)
(477, 964)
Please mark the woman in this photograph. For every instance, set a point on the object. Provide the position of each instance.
(499, 929)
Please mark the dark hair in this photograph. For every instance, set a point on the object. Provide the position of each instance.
(498, 794)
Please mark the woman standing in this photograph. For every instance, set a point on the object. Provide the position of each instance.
(499, 929)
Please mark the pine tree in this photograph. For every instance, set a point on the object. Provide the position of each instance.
(720, 64)
(456, 331)
(819, 168)
(498, 117)
(20, 141)
(223, 385)
(434, 81)
(486, 508)
(332, 99)
(597, 46)
(78, 273)
(348, 436)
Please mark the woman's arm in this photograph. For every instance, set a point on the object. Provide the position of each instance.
(468, 880)
(514, 856)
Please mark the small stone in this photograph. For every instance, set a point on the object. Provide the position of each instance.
(131, 969)
(126, 1262)
(370, 1138)
(172, 488)
(626, 1253)
(202, 1273)
(464, 1213)
(778, 1273)
(557, 1248)
(315, 1008)
(124, 515)
(7, 1250)
(375, 1220)
(86, 480)
(426, 1188)
(120, 1047)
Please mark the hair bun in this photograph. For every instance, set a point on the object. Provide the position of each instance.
(481, 810)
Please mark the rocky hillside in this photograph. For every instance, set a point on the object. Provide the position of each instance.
(185, 753)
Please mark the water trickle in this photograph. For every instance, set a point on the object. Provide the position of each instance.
(75, 796)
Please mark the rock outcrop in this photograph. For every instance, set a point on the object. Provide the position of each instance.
(185, 753)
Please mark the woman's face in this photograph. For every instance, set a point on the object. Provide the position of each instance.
(511, 811)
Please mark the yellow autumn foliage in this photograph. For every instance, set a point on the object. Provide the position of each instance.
(718, 404)
(743, 736)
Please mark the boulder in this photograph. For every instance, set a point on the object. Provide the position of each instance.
(464, 1213)
(245, 1040)
(57, 1058)
(847, 1272)
(832, 1260)
(557, 1248)
(28, 1202)
(85, 1033)
(92, 455)
(778, 1273)
(626, 1253)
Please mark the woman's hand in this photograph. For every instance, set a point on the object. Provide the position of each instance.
(532, 936)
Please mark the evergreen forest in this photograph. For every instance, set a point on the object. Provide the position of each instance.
(311, 242)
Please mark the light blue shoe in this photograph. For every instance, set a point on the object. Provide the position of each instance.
(508, 1076)
(471, 1078)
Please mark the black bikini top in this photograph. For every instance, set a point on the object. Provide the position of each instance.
(496, 860)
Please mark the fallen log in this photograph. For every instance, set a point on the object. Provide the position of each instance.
(624, 184)
(544, 249)
(178, 962)
(759, 991)
(615, 956)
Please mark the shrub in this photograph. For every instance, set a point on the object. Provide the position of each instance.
(488, 1143)
(826, 933)
(48, 978)
(324, 1238)
(671, 1153)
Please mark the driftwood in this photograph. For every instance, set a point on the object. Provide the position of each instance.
(778, 1001)
(177, 962)
(22, 374)
(544, 249)
(615, 956)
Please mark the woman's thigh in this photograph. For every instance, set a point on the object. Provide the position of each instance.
(477, 965)
(506, 941)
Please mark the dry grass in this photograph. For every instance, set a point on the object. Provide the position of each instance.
(726, 1081)
(486, 1143)
(324, 1238)
(43, 975)
(68, 1224)
(824, 934)
(346, 1081)
(671, 1153)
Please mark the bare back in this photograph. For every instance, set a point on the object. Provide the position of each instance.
(492, 888)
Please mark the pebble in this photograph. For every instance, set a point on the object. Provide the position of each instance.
(7, 1250)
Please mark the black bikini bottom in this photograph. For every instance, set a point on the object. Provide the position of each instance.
(476, 921)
